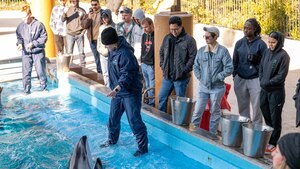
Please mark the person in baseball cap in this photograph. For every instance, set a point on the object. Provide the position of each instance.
(212, 30)
(126, 10)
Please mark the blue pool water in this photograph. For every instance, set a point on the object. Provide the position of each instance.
(40, 130)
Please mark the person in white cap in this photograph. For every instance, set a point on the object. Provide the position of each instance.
(212, 65)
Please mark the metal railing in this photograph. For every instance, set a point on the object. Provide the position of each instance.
(279, 15)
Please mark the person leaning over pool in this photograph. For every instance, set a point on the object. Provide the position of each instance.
(126, 84)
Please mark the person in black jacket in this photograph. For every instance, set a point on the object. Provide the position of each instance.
(246, 59)
(126, 90)
(147, 56)
(296, 97)
(177, 54)
(273, 70)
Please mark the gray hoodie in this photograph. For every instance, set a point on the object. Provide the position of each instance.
(100, 47)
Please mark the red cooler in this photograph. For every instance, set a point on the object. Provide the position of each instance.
(224, 105)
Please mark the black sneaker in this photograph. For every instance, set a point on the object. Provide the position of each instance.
(106, 144)
(45, 90)
(138, 153)
(26, 93)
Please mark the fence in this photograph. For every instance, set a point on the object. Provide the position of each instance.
(279, 15)
(10, 4)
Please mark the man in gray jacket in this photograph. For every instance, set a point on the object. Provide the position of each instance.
(32, 36)
(177, 54)
(212, 65)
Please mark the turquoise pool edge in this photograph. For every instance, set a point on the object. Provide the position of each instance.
(194, 146)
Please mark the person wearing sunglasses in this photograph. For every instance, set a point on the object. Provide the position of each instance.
(212, 65)
(177, 54)
(75, 32)
(92, 22)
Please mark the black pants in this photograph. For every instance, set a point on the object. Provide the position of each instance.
(271, 104)
(132, 106)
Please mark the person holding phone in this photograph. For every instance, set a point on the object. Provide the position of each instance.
(91, 23)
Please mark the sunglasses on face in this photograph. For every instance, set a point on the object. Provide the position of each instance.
(94, 4)
(206, 37)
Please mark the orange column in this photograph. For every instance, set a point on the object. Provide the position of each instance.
(41, 9)
(161, 24)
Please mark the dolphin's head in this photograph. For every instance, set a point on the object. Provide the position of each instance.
(81, 157)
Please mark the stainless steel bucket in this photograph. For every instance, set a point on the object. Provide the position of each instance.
(231, 127)
(256, 138)
(181, 110)
(63, 63)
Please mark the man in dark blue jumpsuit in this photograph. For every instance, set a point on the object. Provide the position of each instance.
(32, 36)
(126, 85)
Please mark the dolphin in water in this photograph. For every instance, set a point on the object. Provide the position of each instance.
(81, 157)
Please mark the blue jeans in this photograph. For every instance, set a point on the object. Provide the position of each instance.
(93, 45)
(80, 44)
(215, 95)
(149, 75)
(166, 89)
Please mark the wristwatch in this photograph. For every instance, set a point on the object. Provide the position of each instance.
(116, 90)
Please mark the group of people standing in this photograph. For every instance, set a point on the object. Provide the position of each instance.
(259, 75)
(120, 49)
(259, 78)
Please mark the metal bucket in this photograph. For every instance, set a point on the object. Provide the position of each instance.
(63, 63)
(231, 126)
(181, 110)
(256, 138)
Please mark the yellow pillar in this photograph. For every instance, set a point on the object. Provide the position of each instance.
(41, 10)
